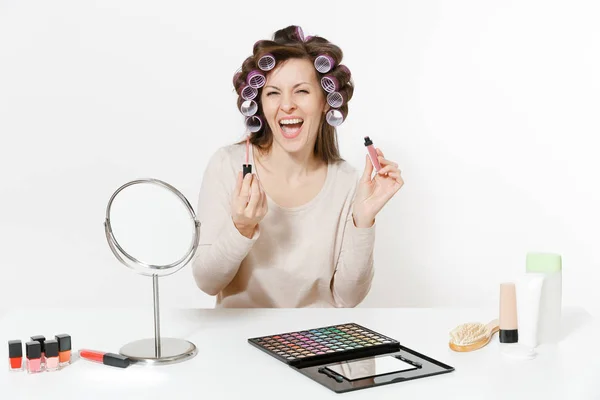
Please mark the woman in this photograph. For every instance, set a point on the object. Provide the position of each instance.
(299, 231)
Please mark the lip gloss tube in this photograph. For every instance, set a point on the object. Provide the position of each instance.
(33, 352)
(15, 355)
(64, 349)
(51, 347)
(114, 360)
(372, 153)
(41, 339)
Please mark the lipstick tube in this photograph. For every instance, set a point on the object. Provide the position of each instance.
(51, 348)
(15, 355)
(372, 153)
(33, 351)
(64, 349)
(114, 360)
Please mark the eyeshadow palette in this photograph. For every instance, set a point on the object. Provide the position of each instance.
(330, 342)
(348, 357)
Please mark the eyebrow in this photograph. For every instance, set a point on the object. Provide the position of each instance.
(295, 86)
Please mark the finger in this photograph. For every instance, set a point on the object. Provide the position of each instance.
(254, 198)
(366, 176)
(396, 175)
(379, 152)
(384, 161)
(245, 191)
(238, 183)
(387, 169)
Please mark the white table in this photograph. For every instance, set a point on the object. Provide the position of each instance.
(227, 367)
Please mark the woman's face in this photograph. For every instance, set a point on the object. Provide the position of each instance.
(293, 104)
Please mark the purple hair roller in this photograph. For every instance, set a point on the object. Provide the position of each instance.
(256, 79)
(346, 70)
(300, 34)
(253, 123)
(266, 62)
(334, 117)
(324, 63)
(330, 83)
(308, 38)
(249, 93)
(336, 99)
(248, 108)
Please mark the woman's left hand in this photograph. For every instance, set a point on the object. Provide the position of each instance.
(373, 193)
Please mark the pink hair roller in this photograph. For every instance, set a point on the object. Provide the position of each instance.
(336, 99)
(330, 83)
(249, 93)
(253, 123)
(255, 79)
(334, 117)
(248, 108)
(324, 63)
(266, 62)
(300, 33)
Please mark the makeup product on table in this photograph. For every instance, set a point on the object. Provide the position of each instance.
(508, 313)
(33, 353)
(348, 357)
(550, 265)
(15, 355)
(64, 349)
(372, 153)
(114, 360)
(472, 336)
(51, 349)
(41, 339)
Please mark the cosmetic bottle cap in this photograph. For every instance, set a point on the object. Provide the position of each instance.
(33, 350)
(51, 347)
(41, 339)
(64, 342)
(368, 141)
(15, 348)
(543, 262)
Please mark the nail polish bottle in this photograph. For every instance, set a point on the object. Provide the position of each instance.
(51, 347)
(33, 351)
(41, 339)
(64, 349)
(15, 355)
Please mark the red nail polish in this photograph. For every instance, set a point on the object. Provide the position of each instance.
(33, 351)
(51, 348)
(64, 349)
(15, 355)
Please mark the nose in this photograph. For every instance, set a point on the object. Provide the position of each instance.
(287, 103)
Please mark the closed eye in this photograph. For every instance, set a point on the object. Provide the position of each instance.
(303, 91)
(270, 93)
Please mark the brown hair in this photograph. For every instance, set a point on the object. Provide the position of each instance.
(286, 44)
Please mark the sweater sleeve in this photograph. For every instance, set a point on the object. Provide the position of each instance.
(354, 270)
(221, 248)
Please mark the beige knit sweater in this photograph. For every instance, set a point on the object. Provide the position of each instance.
(308, 256)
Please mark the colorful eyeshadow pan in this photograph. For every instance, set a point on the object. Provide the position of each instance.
(321, 343)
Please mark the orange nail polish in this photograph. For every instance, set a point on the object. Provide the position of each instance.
(64, 349)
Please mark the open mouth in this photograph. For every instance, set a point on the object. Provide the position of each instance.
(291, 127)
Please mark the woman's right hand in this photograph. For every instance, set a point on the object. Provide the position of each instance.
(249, 204)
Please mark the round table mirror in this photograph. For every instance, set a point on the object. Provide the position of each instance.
(152, 229)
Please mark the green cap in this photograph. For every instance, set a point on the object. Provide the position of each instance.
(543, 262)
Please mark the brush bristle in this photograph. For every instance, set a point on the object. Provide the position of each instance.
(468, 333)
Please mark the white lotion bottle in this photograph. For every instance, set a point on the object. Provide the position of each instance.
(550, 265)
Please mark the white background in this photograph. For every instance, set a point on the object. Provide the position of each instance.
(490, 108)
